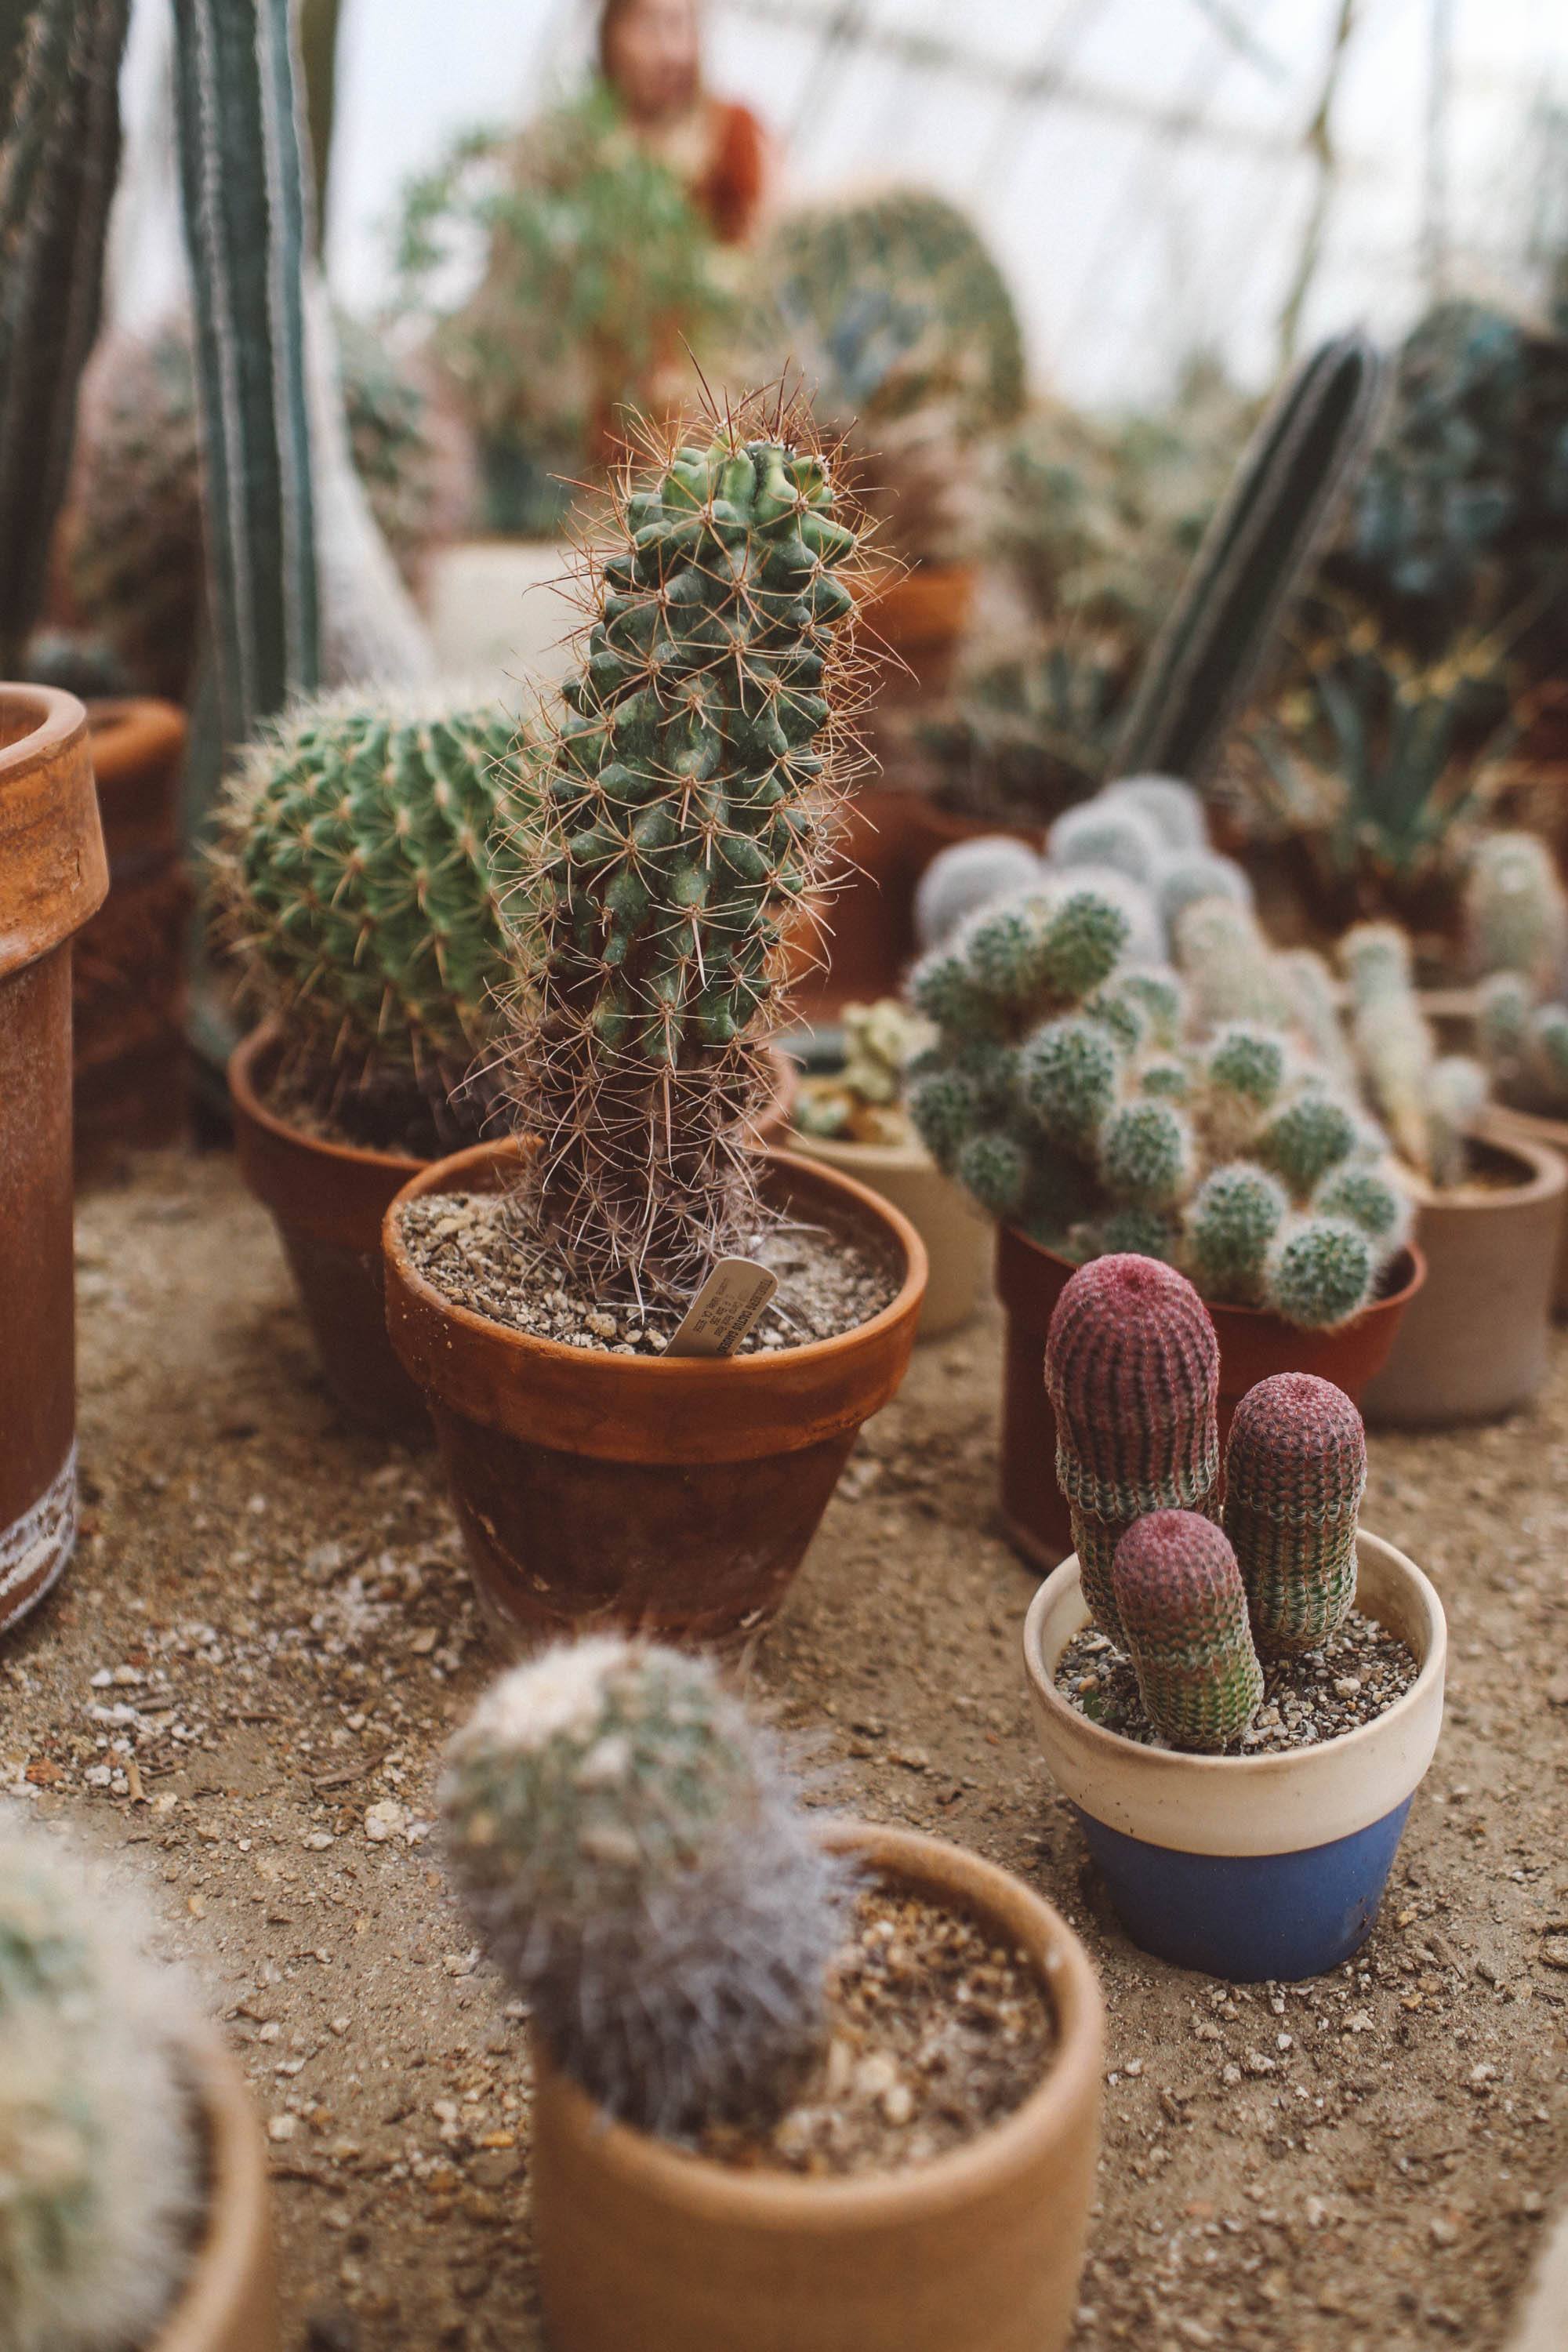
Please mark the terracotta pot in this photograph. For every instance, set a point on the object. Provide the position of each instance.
(227, 2304)
(327, 1201)
(1474, 1343)
(1523, 1126)
(595, 1489)
(1252, 1345)
(53, 876)
(128, 971)
(920, 616)
(957, 1237)
(773, 1121)
(643, 2244)
(868, 929)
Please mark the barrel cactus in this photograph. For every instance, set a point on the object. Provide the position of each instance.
(1183, 1607)
(640, 1866)
(689, 807)
(1295, 1471)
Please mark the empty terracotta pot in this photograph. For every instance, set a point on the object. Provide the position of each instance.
(957, 1237)
(1252, 1346)
(676, 1497)
(1473, 1343)
(226, 2304)
(642, 2243)
(1527, 1127)
(53, 877)
(128, 969)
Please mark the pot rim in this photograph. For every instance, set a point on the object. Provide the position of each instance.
(233, 2250)
(54, 870)
(1547, 1175)
(1233, 1804)
(131, 730)
(897, 1158)
(243, 1069)
(1411, 1258)
(1505, 1123)
(781, 2201)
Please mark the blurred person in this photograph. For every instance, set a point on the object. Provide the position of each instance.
(650, 56)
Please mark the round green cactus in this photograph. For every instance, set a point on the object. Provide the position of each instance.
(1320, 1273)
(1106, 832)
(1230, 1225)
(1165, 1079)
(1248, 1065)
(944, 1105)
(1183, 1607)
(1084, 938)
(1067, 1072)
(994, 1167)
(1146, 1154)
(1155, 993)
(1307, 1136)
(1137, 1232)
(1371, 1197)
(1002, 950)
(943, 987)
(1515, 908)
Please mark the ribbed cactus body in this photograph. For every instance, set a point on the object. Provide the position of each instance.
(1183, 1609)
(1295, 1471)
(687, 807)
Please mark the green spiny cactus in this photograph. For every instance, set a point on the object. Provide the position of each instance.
(1371, 1197)
(1172, 807)
(639, 1864)
(1185, 878)
(1183, 1609)
(1108, 832)
(1245, 1069)
(1228, 966)
(1231, 1224)
(1146, 1155)
(967, 876)
(1295, 1471)
(1321, 1272)
(1067, 1072)
(687, 807)
(994, 1167)
(100, 2165)
(1516, 910)
(1307, 1136)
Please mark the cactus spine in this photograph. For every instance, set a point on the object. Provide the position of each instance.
(688, 807)
(1181, 1603)
(641, 1868)
(1295, 1471)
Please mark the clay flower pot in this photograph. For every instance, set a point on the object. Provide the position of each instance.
(226, 2303)
(919, 615)
(673, 1497)
(53, 877)
(128, 969)
(1473, 1343)
(868, 936)
(957, 1237)
(1252, 1345)
(642, 2243)
(1524, 1126)
(327, 1202)
(1248, 1867)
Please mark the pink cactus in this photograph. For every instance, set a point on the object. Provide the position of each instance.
(1183, 1607)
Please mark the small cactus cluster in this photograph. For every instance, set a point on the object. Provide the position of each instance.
(1428, 1102)
(1517, 917)
(1076, 1096)
(863, 1099)
(688, 808)
(1198, 1597)
(358, 868)
(637, 1862)
(100, 2169)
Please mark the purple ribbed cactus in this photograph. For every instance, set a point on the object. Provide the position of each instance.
(1133, 1371)
(1183, 1607)
(1295, 1469)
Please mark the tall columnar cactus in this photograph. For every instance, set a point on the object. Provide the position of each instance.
(688, 808)
(359, 879)
(1133, 1373)
(1516, 910)
(1183, 1609)
(1305, 456)
(1295, 1471)
(639, 1865)
(101, 2167)
(59, 158)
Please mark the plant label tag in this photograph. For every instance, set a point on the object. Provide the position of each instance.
(724, 1309)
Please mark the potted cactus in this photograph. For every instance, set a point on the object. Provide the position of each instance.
(1516, 918)
(687, 802)
(134, 2216)
(1239, 1703)
(358, 883)
(1489, 1208)
(641, 1868)
(849, 1112)
(1092, 1104)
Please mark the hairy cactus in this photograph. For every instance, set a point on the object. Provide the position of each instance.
(1108, 832)
(1310, 1134)
(1170, 807)
(1133, 901)
(634, 1857)
(1524, 1044)
(1295, 1470)
(1321, 1272)
(1231, 1224)
(1147, 1155)
(688, 807)
(969, 876)
(1184, 877)
(1227, 965)
(1183, 1607)
(1365, 1194)
(360, 880)
(1516, 910)
(1132, 1372)
(1245, 1069)
(100, 2165)
(1310, 986)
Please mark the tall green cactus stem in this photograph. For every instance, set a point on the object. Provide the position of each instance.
(1295, 1471)
(1516, 910)
(1212, 650)
(689, 805)
(58, 162)
(245, 206)
(639, 1864)
(1183, 1611)
(1133, 1373)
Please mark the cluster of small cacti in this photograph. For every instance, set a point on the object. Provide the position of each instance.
(1079, 1096)
(101, 2171)
(637, 1860)
(688, 808)
(1516, 915)
(863, 1099)
(360, 881)
(1428, 1102)
(1197, 1596)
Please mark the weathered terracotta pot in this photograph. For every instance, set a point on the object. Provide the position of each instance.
(676, 1497)
(643, 2244)
(226, 2304)
(327, 1201)
(1252, 1346)
(1473, 1343)
(920, 616)
(53, 876)
(1551, 1134)
(957, 1237)
(868, 929)
(128, 969)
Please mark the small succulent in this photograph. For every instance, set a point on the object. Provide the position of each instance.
(1182, 1609)
(1295, 1471)
(863, 1099)
(1427, 1102)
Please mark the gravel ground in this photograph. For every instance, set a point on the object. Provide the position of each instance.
(272, 1614)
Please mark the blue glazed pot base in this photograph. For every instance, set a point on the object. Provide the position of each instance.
(1249, 1916)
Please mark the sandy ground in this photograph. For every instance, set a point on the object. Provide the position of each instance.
(271, 1613)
